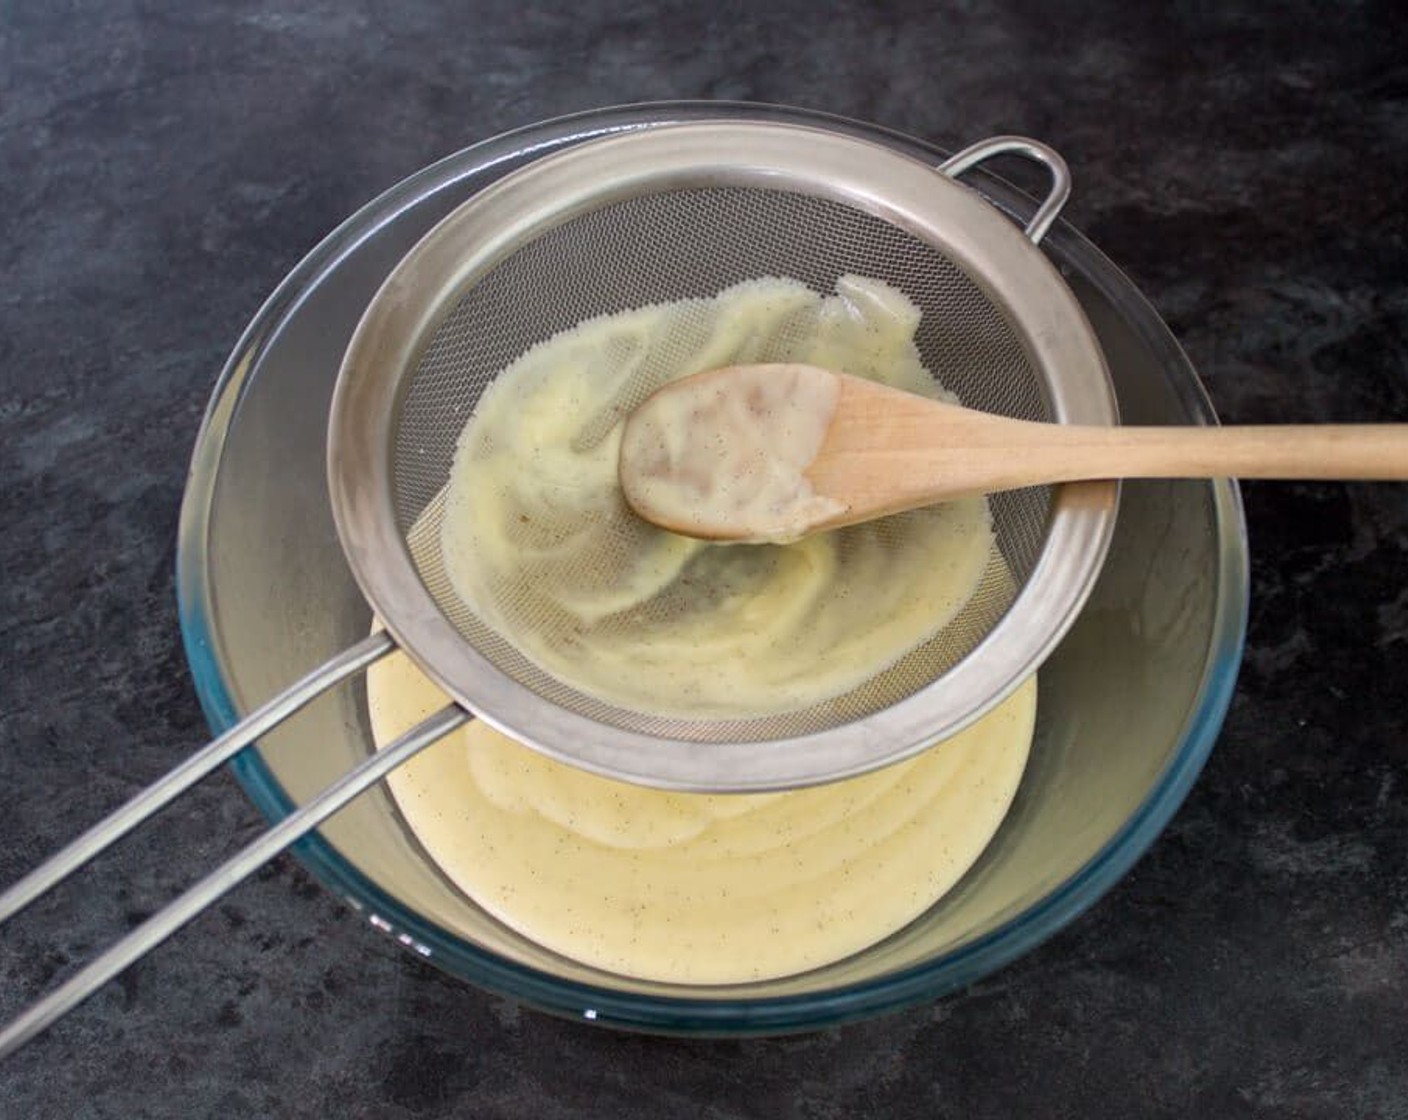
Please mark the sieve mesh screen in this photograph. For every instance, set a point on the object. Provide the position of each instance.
(679, 244)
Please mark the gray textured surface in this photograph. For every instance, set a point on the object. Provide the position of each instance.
(163, 165)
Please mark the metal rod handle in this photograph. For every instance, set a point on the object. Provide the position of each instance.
(161, 792)
(172, 917)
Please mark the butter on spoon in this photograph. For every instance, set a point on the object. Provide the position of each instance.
(766, 453)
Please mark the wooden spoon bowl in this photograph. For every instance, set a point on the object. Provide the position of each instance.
(773, 452)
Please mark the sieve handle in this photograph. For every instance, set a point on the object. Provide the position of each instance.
(1049, 158)
(176, 914)
(161, 792)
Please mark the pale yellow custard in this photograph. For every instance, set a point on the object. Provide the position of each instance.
(537, 540)
(697, 888)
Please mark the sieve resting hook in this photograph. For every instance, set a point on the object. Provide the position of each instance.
(1049, 158)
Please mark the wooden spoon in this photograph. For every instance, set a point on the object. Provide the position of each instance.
(773, 452)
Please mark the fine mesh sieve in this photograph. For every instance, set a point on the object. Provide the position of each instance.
(684, 212)
(674, 245)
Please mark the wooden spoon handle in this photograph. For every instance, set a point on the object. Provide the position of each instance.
(887, 451)
(1305, 451)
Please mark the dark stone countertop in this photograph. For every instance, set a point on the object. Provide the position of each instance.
(162, 165)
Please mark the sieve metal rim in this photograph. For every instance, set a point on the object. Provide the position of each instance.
(902, 190)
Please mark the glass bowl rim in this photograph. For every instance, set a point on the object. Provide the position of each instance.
(672, 1014)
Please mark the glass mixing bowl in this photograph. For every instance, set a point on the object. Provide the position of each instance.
(1130, 702)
